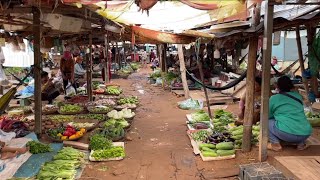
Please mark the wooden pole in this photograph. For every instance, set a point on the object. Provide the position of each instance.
(89, 70)
(204, 87)
(165, 68)
(183, 72)
(311, 30)
(250, 90)
(265, 93)
(37, 70)
(117, 54)
(160, 55)
(304, 80)
(106, 68)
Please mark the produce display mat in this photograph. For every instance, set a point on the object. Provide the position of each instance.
(110, 159)
(217, 158)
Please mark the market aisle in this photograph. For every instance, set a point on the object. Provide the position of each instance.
(159, 149)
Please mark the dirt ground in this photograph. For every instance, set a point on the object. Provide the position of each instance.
(160, 149)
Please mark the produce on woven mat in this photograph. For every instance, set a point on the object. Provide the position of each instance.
(113, 90)
(99, 109)
(36, 147)
(70, 108)
(124, 113)
(98, 142)
(99, 117)
(63, 166)
(128, 100)
(128, 106)
(113, 152)
(200, 135)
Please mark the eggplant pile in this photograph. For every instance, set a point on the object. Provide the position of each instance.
(220, 137)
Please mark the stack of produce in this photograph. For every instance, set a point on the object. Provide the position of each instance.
(134, 66)
(221, 120)
(112, 152)
(70, 108)
(49, 109)
(79, 125)
(216, 138)
(200, 120)
(155, 75)
(35, 147)
(113, 90)
(78, 99)
(124, 113)
(237, 134)
(200, 135)
(104, 102)
(98, 142)
(99, 117)
(128, 100)
(63, 166)
(114, 129)
(66, 133)
(60, 118)
(219, 150)
(128, 106)
(99, 91)
(314, 118)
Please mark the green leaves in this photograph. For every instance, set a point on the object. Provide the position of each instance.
(37, 147)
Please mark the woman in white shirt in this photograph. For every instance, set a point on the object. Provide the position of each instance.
(78, 69)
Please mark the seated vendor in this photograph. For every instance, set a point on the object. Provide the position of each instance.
(287, 120)
(78, 69)
(257, 103)
(7, 152)
(48, 90)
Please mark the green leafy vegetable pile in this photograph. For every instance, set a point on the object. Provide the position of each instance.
(37, 147)
(113, 90)
(200, 116)
(69, 108)
(98, 142)
(128, 100)
(201, 135)
(99, 117)
(221, 120)
(63, 166)
(113, 152)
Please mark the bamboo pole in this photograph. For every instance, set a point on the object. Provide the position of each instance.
(160, 55)
(266, 67)
(89, 70)
(117, 59)
(204, 88)
(37, 70)
(165, 67)
(311, 30)
(106, 68)
(250, 89)
(304, 80)
(183, 72)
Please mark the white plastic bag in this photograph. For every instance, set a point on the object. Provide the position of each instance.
(70, 91)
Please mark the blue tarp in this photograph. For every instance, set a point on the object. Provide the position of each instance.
(32, 166)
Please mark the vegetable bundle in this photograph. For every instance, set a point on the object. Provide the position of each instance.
(221, 149)
(128, 100)
(237, 134)
(124, 113)
(113, 152)
(69, 108)
(201, 135)
(113, 90)
(63, 166)
(37, 147)
(221, 120)
(98, 142)
(200, 116)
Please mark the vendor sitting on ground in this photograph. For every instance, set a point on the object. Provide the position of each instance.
(257, 103)
(78, 69)
(287, 120)
(7, 152)
(48, 90)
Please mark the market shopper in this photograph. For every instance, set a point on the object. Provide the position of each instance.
(78, 69)
(48, 90)
(257, 103)
(67, 70)
(287, 120)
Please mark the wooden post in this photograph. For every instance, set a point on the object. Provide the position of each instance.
(117, 54)
(37, 70)
(165, 68)
(106, 68)
(89, 70)
(160, 55)
(304, 80)
(311, 30)
(183, 72)
(265, 93)
(204, 87)
(250, 90)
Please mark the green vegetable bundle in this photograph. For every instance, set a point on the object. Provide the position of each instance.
(237, 134)
(200, 116)
(221, 149)
(113, 90)
(128, 100)
(99, 117)
(69, 153)
(37, 147)
(98, 142)
(113, 152)
(135, 66)
(61, 118)
(69, 108)
(201, 135)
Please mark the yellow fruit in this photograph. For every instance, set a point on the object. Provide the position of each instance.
(59, 135)
(73, 137)
(79, 134)
(64, 138)
(83, 130)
